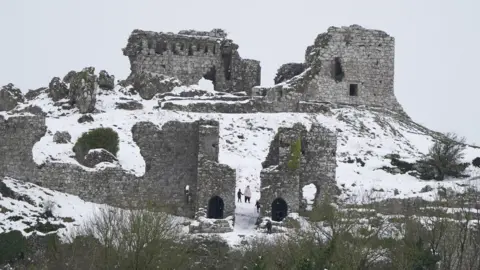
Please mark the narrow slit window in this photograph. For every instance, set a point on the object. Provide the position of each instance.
(353, 90)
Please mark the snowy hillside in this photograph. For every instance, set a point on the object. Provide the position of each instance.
(365, 138)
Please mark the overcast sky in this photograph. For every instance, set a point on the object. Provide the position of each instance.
(437, 42)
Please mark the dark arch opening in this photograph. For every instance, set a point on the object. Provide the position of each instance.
(215, 208)
(279, 209)
(211, 75)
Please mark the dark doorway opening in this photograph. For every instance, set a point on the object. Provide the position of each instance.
(353, 89)
(215, 208)
(279, 209)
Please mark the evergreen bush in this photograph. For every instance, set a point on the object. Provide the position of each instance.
(105, 138)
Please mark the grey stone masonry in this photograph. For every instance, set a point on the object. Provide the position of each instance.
(346, 65)
(213, 179)
(176, 155)
(190, 56)
(284, 178)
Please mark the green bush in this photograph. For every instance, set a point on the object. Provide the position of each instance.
(105, 138)
(295, 154)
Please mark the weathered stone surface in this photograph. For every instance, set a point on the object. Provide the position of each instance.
(182, 154)
(175, 158)
(130, 105)
(192, 55)
(149, 84)
(85, 118)
(57, 89)
(106, 81)
(346, 65)
(62, 137)
(288, 71)
(31, 94)
(316, 164)
(69, 77)
(83, 90)
(97, 156)
(10, 96)
(251, 106)
(35, 110)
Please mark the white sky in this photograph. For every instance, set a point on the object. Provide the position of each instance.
(437, 42)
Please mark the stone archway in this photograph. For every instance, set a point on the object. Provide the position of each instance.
(215, 208)
(279, 209)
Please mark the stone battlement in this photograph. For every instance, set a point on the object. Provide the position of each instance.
(191, 56)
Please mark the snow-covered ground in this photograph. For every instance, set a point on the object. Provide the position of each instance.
(244, 144)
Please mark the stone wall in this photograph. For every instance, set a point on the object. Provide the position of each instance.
(213, 179)
(190, 56)
(172, 161)
(317, 165)
(346, 65)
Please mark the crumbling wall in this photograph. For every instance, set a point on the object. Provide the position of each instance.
(170, 155)
(17, 137)
(346, 65)
(319, 149)
(214, 179)
(296, 158)
(190, 56)
(172, 161)
(356, 67)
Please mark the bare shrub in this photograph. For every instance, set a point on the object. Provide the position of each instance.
(444, 158)
(134, 239)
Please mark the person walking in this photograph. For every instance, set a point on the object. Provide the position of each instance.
(239, 195)
(269, 226)
(257, 204)
(247, 194)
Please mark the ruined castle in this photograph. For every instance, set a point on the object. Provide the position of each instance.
(346, 66)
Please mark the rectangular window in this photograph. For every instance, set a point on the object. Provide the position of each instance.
(353, 89)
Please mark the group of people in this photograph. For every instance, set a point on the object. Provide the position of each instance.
(247, 194)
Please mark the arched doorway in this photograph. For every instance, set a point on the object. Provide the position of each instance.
(279, 209)
(215, 208)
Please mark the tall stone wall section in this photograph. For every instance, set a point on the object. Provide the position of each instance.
(214, 179)
(346, 65)
(317, 165)
(172, 161)
(190, 56)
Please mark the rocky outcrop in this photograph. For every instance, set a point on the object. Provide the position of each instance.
(35, 110)
(31, 94)
(106, 81)
(10, 96)
(62, 137)
(97, 156)
(130, 105)
(85, 118)
(83, 90)
(288, 71)
(69, 77)
(57, 89)
(149, 84)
